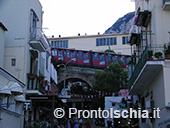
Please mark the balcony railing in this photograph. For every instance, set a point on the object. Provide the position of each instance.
(136, 69)
(139, 66)
(35, 83)
(166, 4)
(39, 41)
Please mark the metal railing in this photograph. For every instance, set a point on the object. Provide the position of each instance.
(136, 69)
(38, 35)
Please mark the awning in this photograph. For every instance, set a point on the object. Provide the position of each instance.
(15, 88)
(5, 90)
(20, 98)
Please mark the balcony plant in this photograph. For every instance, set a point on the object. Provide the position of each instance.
(150, 54)
(167, 51)
(31, 75)
(158, 55)
(41, 77)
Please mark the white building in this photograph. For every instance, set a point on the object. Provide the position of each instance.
(116, 42)
(150, 79)
(27, 51)
(11, 93)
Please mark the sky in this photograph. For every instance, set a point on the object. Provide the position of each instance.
(70, 17)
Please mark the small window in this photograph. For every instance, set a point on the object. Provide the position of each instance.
(66, 53)
(66, 43)
(13, 62)
(124, 40)
(54, 52)
(73, 54)
(97, 42)
(111, 41)
(115, 59)
(101, 56)
(57, 45)
(122, 58)
(79, 55)
(85, 55)
(60, 52)
(61, 44)
(52, 43)
(101, 42)
(115, 41)
(108, 58)
(95, 56)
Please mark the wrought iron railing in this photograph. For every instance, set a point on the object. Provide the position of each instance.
(136, 69)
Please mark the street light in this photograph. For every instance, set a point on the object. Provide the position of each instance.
(65, 68)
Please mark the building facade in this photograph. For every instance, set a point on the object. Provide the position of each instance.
(26, 55)
(149, 39)
(116, 42)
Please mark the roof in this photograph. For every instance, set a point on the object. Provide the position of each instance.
(10, 77)
(3, 27)
(89, 36)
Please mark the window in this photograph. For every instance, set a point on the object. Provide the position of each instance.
(124, 40)
(128, 59)
(101, 56)
(34, 20)
(13, 62)
(73, 54)
(52, 43)
(60, 52)
(100, 41)
(85, 55)
(61, 44)
(54, 52)
(115, 59)
(97, 42)
(66, 53)
(122, 58)
(57, 44)
(66, 43)
(108, 58)
(115, 40)
(95, 56)
(79, 55)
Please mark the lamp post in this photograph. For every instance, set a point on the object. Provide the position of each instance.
(65, 68)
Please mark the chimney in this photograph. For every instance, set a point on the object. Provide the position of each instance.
(59, 36)
(78, 34)
(98, 33)
(52, 36)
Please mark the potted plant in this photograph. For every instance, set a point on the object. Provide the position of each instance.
(150, 54)
(41, 77)
(158, 55)
(167, 51)
(31, 75)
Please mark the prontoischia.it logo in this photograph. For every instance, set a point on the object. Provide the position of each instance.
(131, 113)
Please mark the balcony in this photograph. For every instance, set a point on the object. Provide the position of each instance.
(35, 85)
(39, 41)
(143, 18)
(146, 69)
(166, 4)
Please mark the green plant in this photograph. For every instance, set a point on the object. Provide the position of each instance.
(158, 54)
(150, 53)
(167, 50)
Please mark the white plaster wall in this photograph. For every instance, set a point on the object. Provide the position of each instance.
(2, 43)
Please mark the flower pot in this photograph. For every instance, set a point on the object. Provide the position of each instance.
(167, 56)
